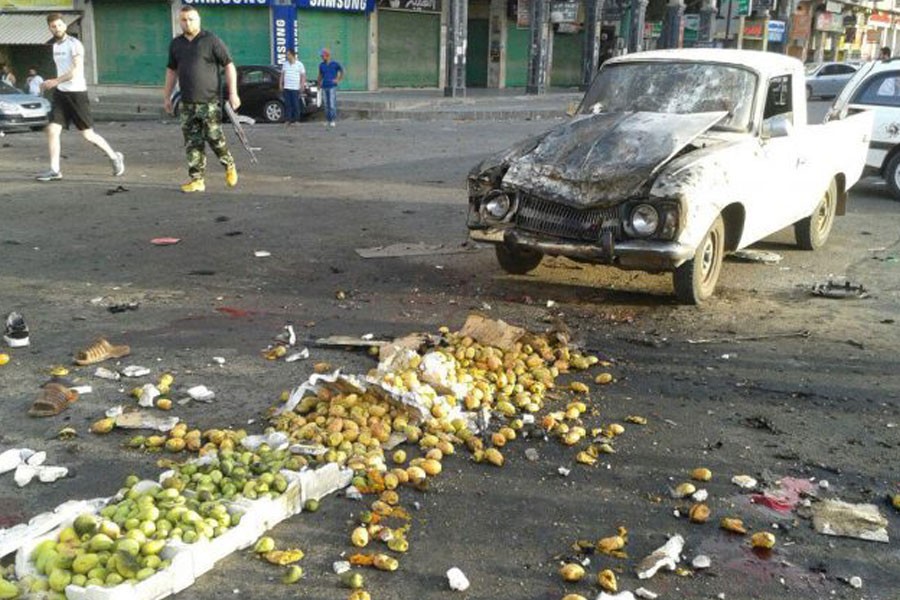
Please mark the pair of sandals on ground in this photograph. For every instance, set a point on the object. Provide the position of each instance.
(57, 394)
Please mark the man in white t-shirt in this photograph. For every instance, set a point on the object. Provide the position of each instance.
(293, 80)
(70, 100)
(34, 82)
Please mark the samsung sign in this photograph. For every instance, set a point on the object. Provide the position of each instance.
(342, 5)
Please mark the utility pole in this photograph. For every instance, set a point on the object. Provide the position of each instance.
(539, 49)
(636, 37)
(673, 26)
(590, 58)
(456, 48)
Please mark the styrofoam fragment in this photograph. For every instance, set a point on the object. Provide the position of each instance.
(104, 373)
(668, 555)
(340, 566)
(36, 459)
(744, 481)
(149, 394)
(277, 440)
(201, 393)
(10, 459)
(13, 538)
(457, 580)
(24, 474)
(49, 474)
(135, 371)
(646, 594)
(318, 483)
(626, 595)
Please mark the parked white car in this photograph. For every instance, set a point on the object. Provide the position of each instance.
(674, 158)
(876, 88)
(826, 80)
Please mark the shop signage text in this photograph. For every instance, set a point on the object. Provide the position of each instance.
(342, 5)
(284, 31)
(229, 2)
(753, 30)
(413, 5)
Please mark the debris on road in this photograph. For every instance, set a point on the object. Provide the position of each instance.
(758, 256)
(645, 594)
(104, 373)
(16, 334)
(803, 333)
(412, 249)
(701, 561)
(839, 291)
(862, 521)
(134, 371)
(666, 556)
(165, 241)
(99, 351)
(457, 580)
(29, 464)
(52, 400)
(201, 393)
(763, 539)
(744, 481)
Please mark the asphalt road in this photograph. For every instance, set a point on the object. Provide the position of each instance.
(821, 405)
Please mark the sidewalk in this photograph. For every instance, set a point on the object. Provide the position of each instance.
(122, 103)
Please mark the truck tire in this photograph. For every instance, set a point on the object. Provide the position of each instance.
(812, 232)
(696, 279)
(892, 175)
(517, 261)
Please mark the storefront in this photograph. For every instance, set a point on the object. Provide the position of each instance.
(132, 41)
(342, 26)
(409, 43)
(24, 35)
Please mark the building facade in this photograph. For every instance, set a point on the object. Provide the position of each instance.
(403, 43)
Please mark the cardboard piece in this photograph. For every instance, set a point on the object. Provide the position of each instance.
(492, 333)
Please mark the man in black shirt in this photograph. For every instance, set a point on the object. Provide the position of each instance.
(194, 59)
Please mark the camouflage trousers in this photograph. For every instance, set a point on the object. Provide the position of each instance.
(201, 123)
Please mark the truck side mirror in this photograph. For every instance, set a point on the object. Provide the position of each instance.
(775, 127)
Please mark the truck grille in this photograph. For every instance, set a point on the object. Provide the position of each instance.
(550, 218)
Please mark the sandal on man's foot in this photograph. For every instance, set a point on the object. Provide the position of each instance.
(99, 351)
(52, 400)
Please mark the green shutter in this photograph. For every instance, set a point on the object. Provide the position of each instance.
(517, 42)
(408, 49)
(132, 41)
(566, 70)
(244, 29)
(477, 53)
(346, 35)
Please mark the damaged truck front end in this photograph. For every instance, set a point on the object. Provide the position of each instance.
(588, 191)
(617, 183)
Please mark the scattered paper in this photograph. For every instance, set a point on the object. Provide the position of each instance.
(862, 521)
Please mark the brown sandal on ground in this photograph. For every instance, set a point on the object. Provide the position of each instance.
(99, 351)
(53, 399)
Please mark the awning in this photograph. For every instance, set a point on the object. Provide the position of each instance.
(28, 29)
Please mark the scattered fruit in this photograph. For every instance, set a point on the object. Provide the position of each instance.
(572, 572)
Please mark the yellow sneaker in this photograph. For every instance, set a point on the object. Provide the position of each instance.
(194, 185)
(231, 176)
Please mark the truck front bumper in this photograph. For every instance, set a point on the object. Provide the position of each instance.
(642, 255)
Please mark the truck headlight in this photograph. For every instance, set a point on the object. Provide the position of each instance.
(644, 220)
(496, 206)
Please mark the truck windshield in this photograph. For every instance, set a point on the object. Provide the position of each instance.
(674, 87)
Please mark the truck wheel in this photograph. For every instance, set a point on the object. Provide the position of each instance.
(517, 261)
(812, 232)
(892, 175)
(695, 280)
(273, 111)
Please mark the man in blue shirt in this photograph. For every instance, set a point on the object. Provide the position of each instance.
(330, 75)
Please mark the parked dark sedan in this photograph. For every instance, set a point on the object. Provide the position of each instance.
(260, 97)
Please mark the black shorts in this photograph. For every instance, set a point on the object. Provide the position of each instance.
(71, 107)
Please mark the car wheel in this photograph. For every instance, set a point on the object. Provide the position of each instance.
(696, 279)
(517, 261)
(892, 175)
(273, 111)
(812, 232)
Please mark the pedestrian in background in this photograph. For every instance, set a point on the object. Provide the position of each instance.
(70, 100)
(195, 58)
(292, 82)
(885, 53)
(7, 76)
(330, 74)
(34, 82)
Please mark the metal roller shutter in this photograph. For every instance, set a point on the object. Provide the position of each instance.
(346, 35)
(245, 30)
(132, 41)
(408, 49)
(566, 70)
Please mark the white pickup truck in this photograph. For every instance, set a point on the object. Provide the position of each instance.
(675, 158)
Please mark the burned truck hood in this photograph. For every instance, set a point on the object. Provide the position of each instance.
(602, 159)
